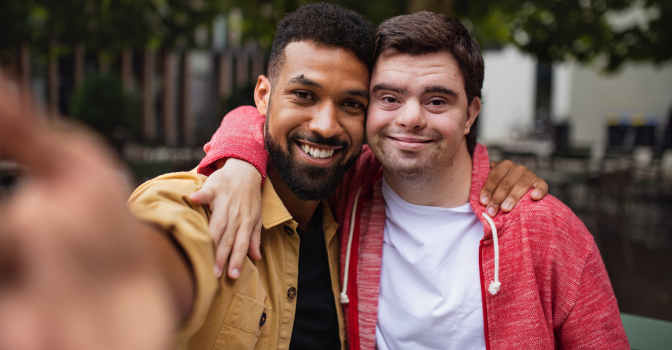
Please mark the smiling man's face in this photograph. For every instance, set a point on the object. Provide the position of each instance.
(315, 117)
(418, 114)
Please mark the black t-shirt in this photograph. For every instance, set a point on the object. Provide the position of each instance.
(316, 322)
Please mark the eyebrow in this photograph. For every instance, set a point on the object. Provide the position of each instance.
(396, 89)
(441, 89)
(304, 81)
(360, 93)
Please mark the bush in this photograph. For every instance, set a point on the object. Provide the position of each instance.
(101, 102)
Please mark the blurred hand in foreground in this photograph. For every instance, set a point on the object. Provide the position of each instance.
(74, 269)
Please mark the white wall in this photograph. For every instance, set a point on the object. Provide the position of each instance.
(637, 88)
(508, 94)
(561, 92)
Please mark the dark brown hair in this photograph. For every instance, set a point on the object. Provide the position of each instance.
(427, 32)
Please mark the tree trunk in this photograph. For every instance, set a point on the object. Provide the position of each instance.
(53, 81)
(187, 113)
(127, 69)
(148, 113)
(168, 98)
(225, 77)
(242, 69)
(24, 66)
(80, 53)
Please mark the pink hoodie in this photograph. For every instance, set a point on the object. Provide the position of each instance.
(554, 293)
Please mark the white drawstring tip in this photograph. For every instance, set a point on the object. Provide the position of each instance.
(493, 288)
(344, 298)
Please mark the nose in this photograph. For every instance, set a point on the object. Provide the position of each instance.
(411, 117)
(326, 122)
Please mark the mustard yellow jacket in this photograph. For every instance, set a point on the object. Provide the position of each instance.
(257, 310)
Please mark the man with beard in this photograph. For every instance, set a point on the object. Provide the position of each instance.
(78, 271)
(424, 264)
(314, 103)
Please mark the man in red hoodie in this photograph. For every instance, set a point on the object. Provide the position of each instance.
(423, 264)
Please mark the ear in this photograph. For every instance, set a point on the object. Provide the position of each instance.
(262, 94)
(472, 114)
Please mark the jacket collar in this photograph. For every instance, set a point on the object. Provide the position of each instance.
(275, 213)
(273, 210)
(479, 173)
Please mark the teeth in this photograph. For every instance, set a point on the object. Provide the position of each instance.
(317, 153)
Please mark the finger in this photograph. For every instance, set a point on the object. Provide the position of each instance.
(225, 245)
(493, 180)
(202, 196)
(255, 242)
(540, 189)
(239, 251)
(506, 186)
(519, 189)
(493, 164)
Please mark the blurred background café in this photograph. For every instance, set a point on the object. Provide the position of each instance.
(579, 91)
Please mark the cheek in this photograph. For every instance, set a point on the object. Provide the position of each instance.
(355, 130)
(376, 120)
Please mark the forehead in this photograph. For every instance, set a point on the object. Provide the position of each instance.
(324, 63)
(414, 72)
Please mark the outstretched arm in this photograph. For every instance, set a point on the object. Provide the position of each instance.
(83, 273)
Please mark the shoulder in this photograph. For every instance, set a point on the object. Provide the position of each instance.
(550, 223)
(172, 185)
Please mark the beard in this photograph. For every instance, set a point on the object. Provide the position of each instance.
(308, 182)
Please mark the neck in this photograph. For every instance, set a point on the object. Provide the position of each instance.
(448, 187)
(301, 210)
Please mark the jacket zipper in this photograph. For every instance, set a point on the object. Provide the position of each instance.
(485, 308)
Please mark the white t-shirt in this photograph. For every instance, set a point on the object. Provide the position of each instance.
(430, 294)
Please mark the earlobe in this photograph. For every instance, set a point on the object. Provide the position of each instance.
(262, 94)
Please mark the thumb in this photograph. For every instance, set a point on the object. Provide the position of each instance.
(202, 196)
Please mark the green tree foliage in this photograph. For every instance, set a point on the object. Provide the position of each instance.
(102, 103)
(551, 30)
(107, 25)
(612, 31)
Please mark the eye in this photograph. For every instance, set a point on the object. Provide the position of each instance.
(389, 99)
(304, 95)
(437, 102)
(353, 104)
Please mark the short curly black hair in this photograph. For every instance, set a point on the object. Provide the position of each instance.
(323, 23)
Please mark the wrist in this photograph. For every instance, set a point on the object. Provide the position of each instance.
(219, 163)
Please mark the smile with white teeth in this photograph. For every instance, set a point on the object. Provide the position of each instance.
(316, 152)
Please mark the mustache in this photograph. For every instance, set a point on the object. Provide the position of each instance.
(411, 133)
(321, 140)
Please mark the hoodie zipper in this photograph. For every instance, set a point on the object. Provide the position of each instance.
(483, 296)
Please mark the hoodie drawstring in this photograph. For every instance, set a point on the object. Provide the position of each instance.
(344, 293)
(494, 285)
